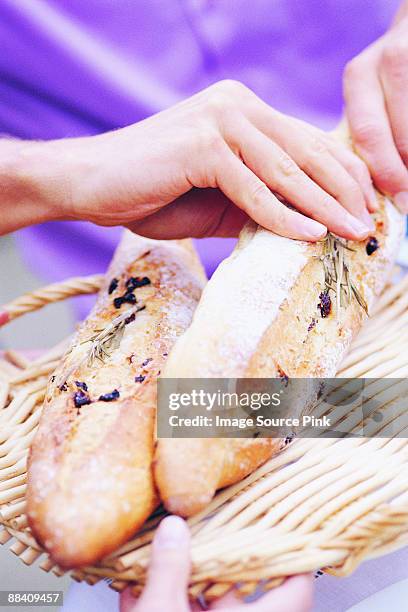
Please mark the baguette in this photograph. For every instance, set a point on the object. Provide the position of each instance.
(266, 313)
(90, 482)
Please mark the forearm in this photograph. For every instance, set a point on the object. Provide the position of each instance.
(31, 188)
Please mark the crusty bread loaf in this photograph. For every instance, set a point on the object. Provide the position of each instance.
(90, 480)
(266, 312)
(213, 463)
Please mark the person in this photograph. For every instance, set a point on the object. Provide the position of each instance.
(209, 160)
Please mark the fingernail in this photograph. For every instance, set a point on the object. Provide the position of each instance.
(172, 533)
(401, 201)
(310, 229)
(368, 220)
(359, 228)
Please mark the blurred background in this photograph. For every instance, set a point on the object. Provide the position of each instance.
(37, 330)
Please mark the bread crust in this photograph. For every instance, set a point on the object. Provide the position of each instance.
(259, 318)
(301, 343)
(90, 482)
(213, 463)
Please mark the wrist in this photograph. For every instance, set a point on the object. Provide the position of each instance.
(34, 187)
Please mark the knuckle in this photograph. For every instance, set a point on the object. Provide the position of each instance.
(352, 69)
(326, 201)
(217, 103)
(232, 87)
(394, 59)
(286, 166)
(212, 141)
(318, 146)
(368, 134)
(259, 193)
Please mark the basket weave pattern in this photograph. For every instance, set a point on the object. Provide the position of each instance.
(327, 503)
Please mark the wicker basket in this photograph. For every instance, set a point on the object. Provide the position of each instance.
(322, 503)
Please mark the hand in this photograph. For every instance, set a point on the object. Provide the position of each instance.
(168, 576)
(158, 177)
(376, 94)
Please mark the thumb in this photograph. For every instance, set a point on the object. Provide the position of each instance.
(169, 569)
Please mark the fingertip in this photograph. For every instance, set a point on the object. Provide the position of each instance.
(301, 227)
(372, 206)
(169, 567)
(318, 236)
(173, 533)
(312, 231)
(290, 223)
(354, 229)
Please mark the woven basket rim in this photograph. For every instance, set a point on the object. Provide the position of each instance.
(274, 523)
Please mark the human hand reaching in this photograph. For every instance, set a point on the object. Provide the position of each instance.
(168, 577)
(199, 168)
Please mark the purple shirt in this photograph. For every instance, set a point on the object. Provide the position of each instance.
(75, 67)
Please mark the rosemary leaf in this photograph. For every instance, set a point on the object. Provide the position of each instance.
(103, 342)
(359, 298)
(109, 338)
(337, 277)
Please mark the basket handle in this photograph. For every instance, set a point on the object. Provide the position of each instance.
(49, 294)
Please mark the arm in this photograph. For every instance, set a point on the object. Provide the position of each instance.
(29, 189)
(157, 177)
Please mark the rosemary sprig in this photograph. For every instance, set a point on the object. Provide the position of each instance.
(108, 339)
(103, 342)
(337, 277)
